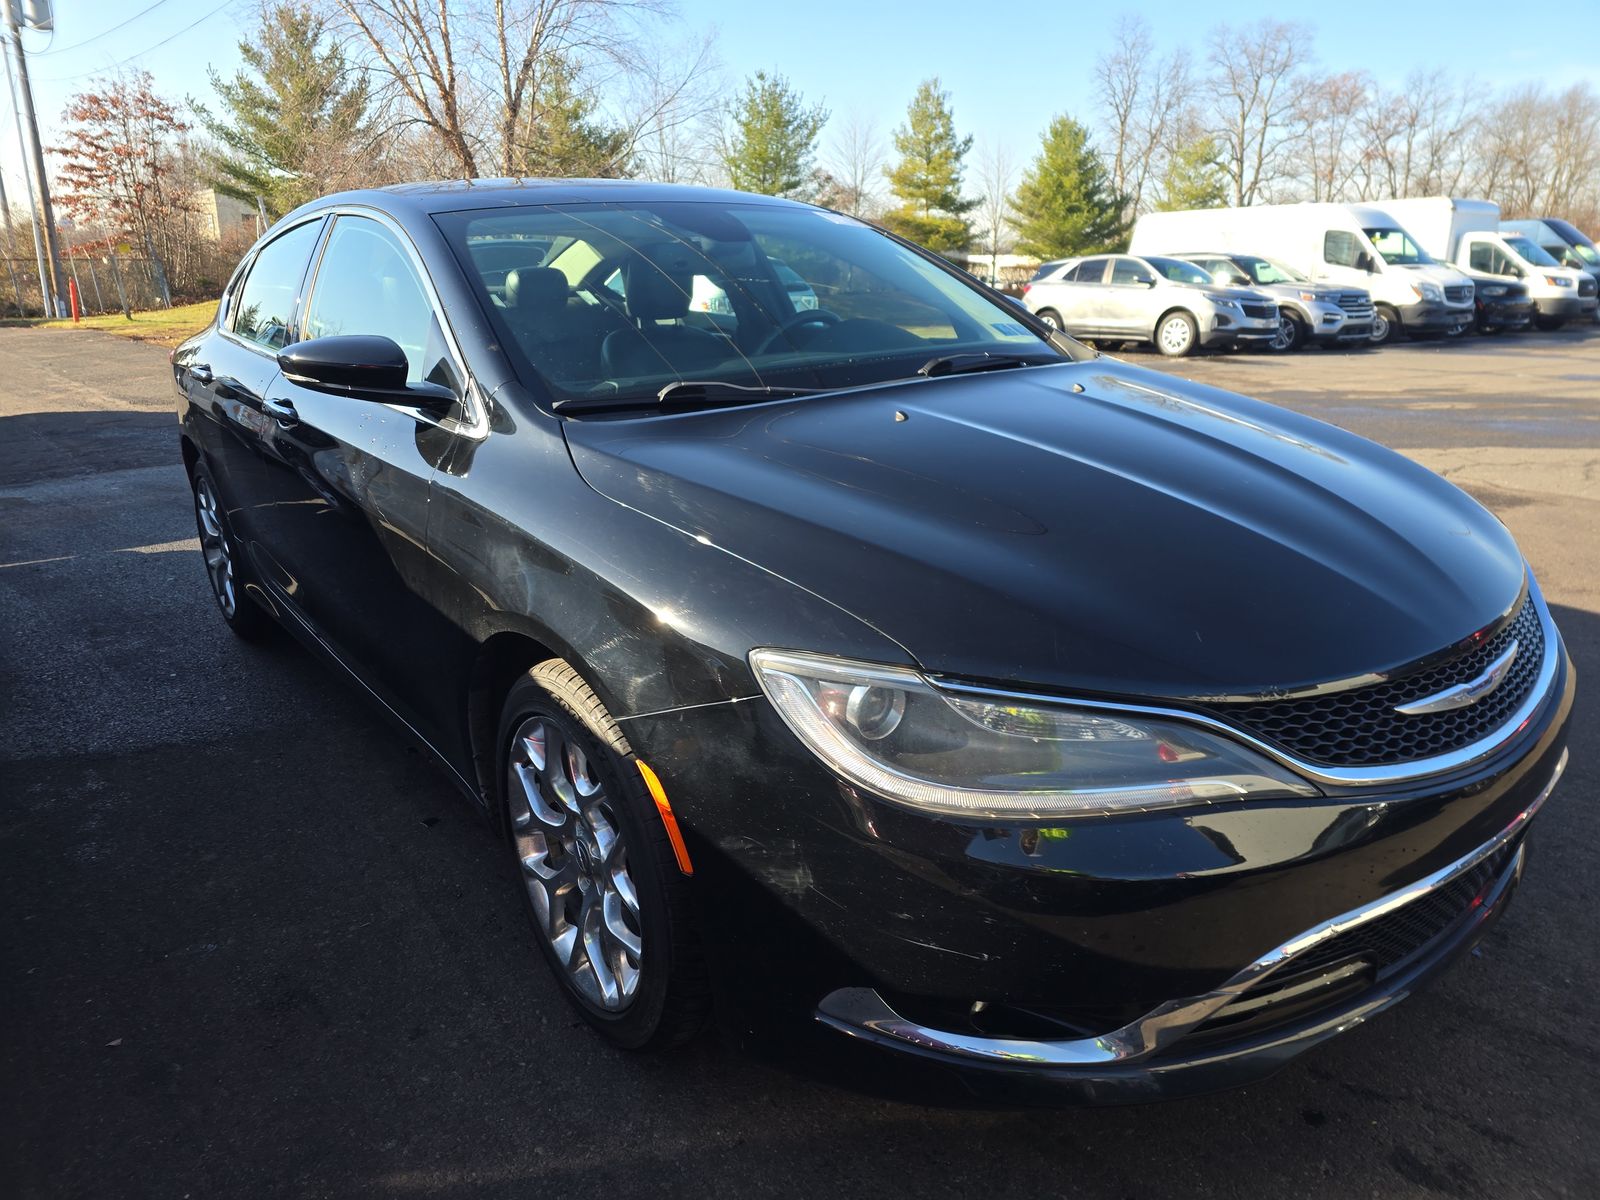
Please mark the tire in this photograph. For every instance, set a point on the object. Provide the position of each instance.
(1051, 318)
(1176, 336)
(1385, 325)
(224, 562)
(1292, 334)
(576, 811)
(1548, 324)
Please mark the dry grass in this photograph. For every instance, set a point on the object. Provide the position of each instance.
(165, 327)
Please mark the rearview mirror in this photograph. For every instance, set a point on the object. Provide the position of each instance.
(361, 366)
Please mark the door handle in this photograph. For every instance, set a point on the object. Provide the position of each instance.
(281, 411)
(200, 373)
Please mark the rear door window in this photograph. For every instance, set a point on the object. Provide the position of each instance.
(1089, 271)
(264, 312)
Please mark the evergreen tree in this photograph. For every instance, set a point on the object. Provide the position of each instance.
(1193, 177)
(565, 138)
(293, 125)
(773, 140)
(927, 179)
(1065, 204)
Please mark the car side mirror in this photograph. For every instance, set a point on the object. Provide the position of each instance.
(362, 366)
(1145, 280)
(1364, 262)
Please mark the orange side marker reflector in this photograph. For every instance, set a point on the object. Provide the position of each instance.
(674, 834)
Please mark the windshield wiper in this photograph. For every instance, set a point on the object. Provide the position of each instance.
(684, 392)
(966, 364)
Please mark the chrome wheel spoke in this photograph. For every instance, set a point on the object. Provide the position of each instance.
(574, 862)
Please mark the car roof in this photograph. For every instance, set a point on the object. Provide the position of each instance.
(437, 196)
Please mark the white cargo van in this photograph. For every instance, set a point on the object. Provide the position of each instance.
(1347, 244)
(1467, 233)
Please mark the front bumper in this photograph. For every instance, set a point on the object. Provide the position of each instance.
(1425, 316)
(1231, 329)
(1566, 308)
(1504, 314)
(1148, 1059)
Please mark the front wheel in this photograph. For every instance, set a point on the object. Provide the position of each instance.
(1385, 325)
(1176, 335)
(1548, 324)
(1050, 317)
(602, 884)
(1291, 334)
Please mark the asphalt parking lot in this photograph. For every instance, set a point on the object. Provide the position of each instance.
(255, 945)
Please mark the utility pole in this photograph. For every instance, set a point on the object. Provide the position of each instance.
(35, 154)
(46, 307)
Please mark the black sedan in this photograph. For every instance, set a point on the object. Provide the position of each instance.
(978, 697)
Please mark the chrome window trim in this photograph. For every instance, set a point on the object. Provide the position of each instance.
(1406, 772)
(862, 1012)
(477, 425)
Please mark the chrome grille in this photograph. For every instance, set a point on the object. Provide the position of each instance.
(1359, 727)
(1459, 293)
(1355, 302)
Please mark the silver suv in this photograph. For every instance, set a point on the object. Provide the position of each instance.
(1307, 312)
(1172, 303)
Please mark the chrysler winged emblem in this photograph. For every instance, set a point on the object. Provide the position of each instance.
(1463, 694)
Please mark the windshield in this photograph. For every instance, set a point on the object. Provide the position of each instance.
(1179, 271)
(1572, 235)
(619, 301)
(1265, 270)
(1587, 253)
(1530, 252)
(1396, 248)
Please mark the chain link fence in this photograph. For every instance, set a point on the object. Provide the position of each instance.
(107, 283)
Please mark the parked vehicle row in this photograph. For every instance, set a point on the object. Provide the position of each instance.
(1339, 273)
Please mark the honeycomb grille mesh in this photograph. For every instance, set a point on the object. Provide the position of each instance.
(1359, 727)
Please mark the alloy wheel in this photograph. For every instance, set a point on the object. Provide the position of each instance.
(574, 861)
(214, 546)
(1288, 335)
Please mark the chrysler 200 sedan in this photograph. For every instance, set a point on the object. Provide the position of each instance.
(977, 697)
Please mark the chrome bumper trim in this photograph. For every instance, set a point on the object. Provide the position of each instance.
(863, 1013)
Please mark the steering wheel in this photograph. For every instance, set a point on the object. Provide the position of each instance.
(811, 316)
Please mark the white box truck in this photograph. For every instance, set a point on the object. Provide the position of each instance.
(1468, 233)
(1346, 244)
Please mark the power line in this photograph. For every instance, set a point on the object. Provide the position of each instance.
(124, 62)
(96, 37)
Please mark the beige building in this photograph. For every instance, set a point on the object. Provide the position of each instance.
(217, 214)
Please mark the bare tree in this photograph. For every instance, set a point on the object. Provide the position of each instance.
(1327, 116)
(675, 104)
(1143, 101)
(472, 71)
(855, 160)
(1537, 154)
(997, 175)
(1252, 102)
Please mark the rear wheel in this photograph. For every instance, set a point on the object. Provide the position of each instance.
(1385, 325)
(602, 885)
(1050, 317)
(1176, 335)
(224, 567)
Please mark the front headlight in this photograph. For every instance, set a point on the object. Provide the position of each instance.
(1312, 297)
(1558, 281)
(1224, 302)
(1428, 291)
(891, 732)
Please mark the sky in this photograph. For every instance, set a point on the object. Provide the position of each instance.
(1009, 68)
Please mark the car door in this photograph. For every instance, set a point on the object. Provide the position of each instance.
(1082, 298)
(1127, 303)
(345, 542)
(228, 375)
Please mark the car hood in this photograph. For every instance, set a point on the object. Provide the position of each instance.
(1140, 536)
